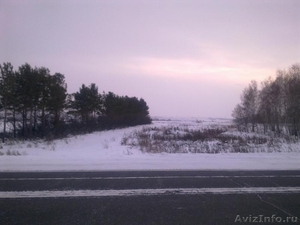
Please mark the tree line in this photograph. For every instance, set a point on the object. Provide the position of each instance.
(35, 104)
(275, 107)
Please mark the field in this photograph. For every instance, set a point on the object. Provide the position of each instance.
(166, 144)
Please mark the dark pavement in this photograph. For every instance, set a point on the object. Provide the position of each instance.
(171, 207)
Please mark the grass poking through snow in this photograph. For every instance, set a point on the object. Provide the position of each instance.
(176, 139)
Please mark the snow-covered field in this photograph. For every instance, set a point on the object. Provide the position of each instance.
(103, 151)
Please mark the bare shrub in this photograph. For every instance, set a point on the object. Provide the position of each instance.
(36, 144)
(50, 145)
(29, 145)
(13, 153)
(49, 142)
(24, 153)
(113, 139)
(11, 142)
(8, 152)
(124, 140)
(105, 144)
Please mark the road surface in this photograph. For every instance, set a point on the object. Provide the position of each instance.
(150, 197)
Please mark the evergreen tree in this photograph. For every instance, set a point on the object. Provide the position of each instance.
(87, 102)
(6, 91)
(57, 97)
(33, 101)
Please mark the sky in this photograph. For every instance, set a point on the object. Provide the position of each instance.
(190, 58)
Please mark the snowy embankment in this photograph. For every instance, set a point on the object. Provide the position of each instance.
(103, 151)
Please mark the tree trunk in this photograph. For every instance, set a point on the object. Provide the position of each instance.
(24, 124)
(4, 122)
(30, 122)
(14, 121)
(35, 122)
(43, 122)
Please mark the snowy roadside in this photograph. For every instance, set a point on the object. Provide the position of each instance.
(103, 151)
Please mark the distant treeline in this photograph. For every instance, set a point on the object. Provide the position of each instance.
(35, 103)
(275, 108)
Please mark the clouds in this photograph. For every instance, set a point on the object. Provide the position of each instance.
(143, 47)
(211, 66)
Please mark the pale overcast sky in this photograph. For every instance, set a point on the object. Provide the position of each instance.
(185, 58)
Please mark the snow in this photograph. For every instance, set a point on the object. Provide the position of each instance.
(138, 192)
(102, 151)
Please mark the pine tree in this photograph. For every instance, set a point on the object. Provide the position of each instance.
(6, 91)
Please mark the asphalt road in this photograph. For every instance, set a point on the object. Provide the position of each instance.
(150, 197)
